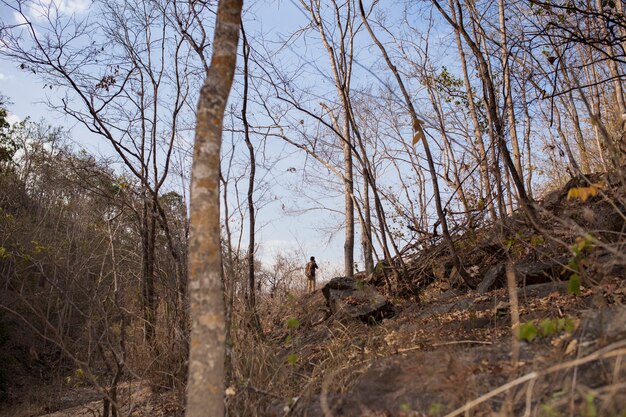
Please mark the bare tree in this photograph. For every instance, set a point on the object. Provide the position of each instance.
(115, 82)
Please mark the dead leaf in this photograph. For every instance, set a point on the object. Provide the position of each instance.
(571, 347)
(418, 131)
(584, 193)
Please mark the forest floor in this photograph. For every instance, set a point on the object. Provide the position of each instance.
(435, 357)
(448, 350)
(428, 360)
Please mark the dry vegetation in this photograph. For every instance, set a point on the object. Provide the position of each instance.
(318, 365)
(477, 148)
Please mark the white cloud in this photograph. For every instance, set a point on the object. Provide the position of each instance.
(3, 77)
(40, 9)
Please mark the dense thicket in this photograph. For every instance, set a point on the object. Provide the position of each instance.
(70, 263)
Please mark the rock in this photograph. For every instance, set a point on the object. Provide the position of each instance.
(528, 273)
(539, 272)
(493, 275)
(600, 328)
(348, 297)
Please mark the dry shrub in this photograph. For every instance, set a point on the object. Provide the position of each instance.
(293, 361)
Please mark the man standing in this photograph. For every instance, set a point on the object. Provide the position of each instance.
(311, 266)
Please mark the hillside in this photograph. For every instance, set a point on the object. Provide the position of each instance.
(448, 347)
(430, 345)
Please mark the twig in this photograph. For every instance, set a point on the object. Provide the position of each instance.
(460, 342)
(454, 342)
(511, 282)
(529, 397)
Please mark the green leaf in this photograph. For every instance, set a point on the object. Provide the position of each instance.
(435, 409)
(569, 325)
(527, 331)
(573, 286)
(293, 323)
(405, 407)
(292, 359)
(548, 327)
(591, 410)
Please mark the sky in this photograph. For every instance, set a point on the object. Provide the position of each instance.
(283, 224)
(294, 218)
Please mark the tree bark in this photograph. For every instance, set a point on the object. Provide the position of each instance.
(366, 229)
(205, 385)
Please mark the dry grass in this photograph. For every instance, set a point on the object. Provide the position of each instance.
(289, 366)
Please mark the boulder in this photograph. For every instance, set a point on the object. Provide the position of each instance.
(492, 278)
(533, 272)
(527, 273)
(353, 298)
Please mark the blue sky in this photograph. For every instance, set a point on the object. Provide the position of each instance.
(293, 217)
(283, 227)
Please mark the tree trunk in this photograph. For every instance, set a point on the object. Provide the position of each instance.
(484, 162)
(148, 247)
(348, 246)
(205, 385)
(366, 232)
(508, 91)
(340, 58)
(255, 323)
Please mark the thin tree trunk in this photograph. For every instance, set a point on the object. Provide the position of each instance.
(148, 246)
(527, 133)
(574, 169)
(229, 291)
(498, 126)
(484, 162)
(366, 232)
(205, 386)
(341, 65)
(451, 160)
(508, 91)
(417, 129)
(251, 294)
(348, 246)
(595, 105)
